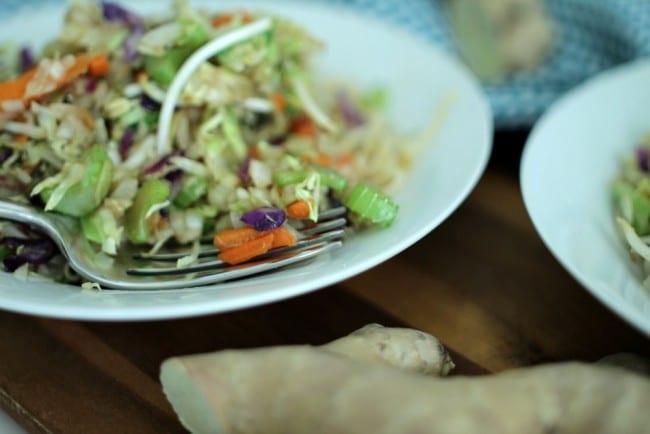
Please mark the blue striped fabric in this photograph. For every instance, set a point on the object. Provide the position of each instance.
(591, 35)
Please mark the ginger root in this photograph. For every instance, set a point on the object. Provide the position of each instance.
(306, 389)
(404, 348)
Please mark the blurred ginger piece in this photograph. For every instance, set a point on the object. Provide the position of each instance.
(497, 37)
(304, 389)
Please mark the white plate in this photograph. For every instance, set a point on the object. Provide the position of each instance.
(571, 157)
(368, 52)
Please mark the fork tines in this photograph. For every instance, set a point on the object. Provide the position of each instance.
(329, 229)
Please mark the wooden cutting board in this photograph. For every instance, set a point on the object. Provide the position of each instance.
(87, 377)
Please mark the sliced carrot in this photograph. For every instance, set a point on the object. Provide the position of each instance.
(298, 209)
(304, 126)
(15, 89)
(344, 159)
(234, 237)
(282, 237)
(79, 67)
(254, 152)
(21, 138)
(279, 101)
(223, 19)
(141, 76)
(87, 119)
(323, 159)
(247, 250)
(99, 66)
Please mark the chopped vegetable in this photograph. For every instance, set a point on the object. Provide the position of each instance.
(233, 237)
(84, 188)
(99, 66)
(138, 219)
(194, 187)
(298, 209)
(371, 204)
(163, 68)
(265, 218)
(248, 250)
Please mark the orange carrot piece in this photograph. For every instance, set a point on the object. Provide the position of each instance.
(298, 209)
(223, 19)
(87, 119)
(304, 126)
(248, 250)
(99, 66)
(21, 138)
(279, 101)
(344, 159)
(323, 160)
(79, 67)
(282, 237)
(15, 89)
(254, 153)
(234, 237)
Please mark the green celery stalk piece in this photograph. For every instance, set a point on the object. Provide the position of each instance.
(86, 195)
(371, 204)
(150, 193)
(193, 189)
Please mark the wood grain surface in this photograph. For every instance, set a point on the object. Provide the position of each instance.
(482, 282)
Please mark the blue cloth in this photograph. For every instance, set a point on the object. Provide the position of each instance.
(591, 36)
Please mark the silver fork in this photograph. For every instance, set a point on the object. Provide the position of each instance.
(132, 269)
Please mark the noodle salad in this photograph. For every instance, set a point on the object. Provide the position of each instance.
(255, 141)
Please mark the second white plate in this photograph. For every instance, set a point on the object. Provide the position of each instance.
(569, 161)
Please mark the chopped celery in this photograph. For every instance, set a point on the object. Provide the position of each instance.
(193, 188)
(83, 196)
(194, 34)
(283, 178)
(101, 227)
(328, 177)
(371, 204)
(151, 118)
(233, 134)
(332, 179)
(151, 193)
(374, 99)
(245, 54)
(163, 68)
(640, 204)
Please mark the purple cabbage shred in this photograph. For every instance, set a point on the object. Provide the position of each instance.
(265, 218)
(643, 159)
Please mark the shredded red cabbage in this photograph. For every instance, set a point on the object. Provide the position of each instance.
(351, 114)
(5, 153)
(126, 142)
(91, 84)
(244, 174)
(130, 45)
(148, 103)
(162, 162)
(114, 12)
(643, 158)
(175, 178)
(265, 218)
(32, 251)
(27, 60)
